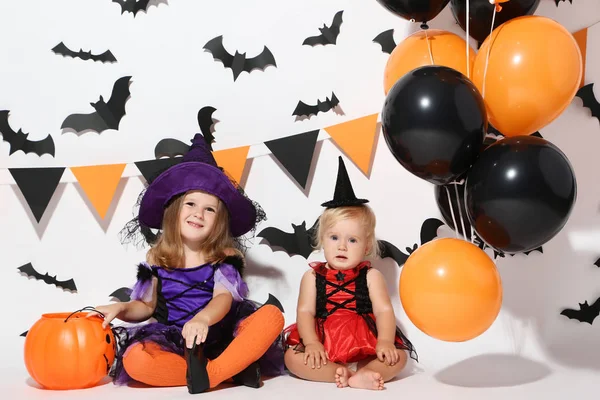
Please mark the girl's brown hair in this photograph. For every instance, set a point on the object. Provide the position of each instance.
(168, 250)
(363, 213)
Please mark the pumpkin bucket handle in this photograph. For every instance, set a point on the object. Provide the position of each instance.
(87, 308)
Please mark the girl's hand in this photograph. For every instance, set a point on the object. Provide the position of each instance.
(315, 353)
(195, 328)
(386, 352)
(110, 312)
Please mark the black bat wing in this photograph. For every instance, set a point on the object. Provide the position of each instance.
(205, 122)
(303, 109)
(261, 61)
(429, 229)
(312, 232)
(122, 294)
(389, 250)
(586, 313)
(334, 101)
(386, 40)
(215, 47)
(336, 23)
(18, 140)
(586, 94)
(24, 334)
(28, 270)
(118, 98)
(278, 238)
(107, 56)
(63, 50)
(170, 148)
(315, 40)
(82, 122)
(597, 263)
(68, 284)
(132, 6)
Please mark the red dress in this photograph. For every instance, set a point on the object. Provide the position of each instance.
(344, 318)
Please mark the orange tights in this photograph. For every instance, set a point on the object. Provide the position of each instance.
(149, 364)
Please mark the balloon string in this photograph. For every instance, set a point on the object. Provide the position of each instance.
(467, 40)
(452, 211)
(462, 221)
(487, 56)
(429, 47)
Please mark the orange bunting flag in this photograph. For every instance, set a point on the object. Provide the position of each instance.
(233, 161)
(581, 39)
(99, 182)
(356, 139)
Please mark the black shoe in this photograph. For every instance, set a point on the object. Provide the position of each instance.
(250, 376)
(272, 300)
(196, 375)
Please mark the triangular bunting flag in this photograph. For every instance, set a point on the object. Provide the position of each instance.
(581, 39)
(99, 183)
(356, 139)
(38, 186)
(233, 161)
(295, 153)
(150, 169)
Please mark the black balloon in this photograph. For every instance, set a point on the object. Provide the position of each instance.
(520, 193)
(434, 123)
(481, 12)
(419, 10)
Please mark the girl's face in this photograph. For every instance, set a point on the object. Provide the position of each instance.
(345, 244)
(197, 216)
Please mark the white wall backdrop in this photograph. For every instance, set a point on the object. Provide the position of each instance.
(172, 78)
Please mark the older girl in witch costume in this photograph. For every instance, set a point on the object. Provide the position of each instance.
(205, 330)
(344, 313)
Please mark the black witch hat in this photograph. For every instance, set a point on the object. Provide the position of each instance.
(344, 194)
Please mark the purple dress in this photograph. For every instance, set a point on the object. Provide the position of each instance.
(181, 294)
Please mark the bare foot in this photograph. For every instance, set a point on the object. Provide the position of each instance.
(366, 379)
(342, 374)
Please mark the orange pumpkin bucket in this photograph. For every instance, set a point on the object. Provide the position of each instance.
(69, 350)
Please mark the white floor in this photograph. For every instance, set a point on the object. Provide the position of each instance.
(487, 377)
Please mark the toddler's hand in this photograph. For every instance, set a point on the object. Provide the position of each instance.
(386, 352)
(315, 353)
(110, 312)
(195, 328)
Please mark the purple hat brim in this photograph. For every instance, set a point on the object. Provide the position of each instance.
(196, 176)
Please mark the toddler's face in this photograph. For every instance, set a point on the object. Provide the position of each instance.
(197, 216)
(345, 244)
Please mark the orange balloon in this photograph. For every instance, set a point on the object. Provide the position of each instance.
(533, 73)
(447, 49)
(451, 290)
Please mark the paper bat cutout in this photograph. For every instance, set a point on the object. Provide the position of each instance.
(428, 233)
(24, 334)
(122, 294)
(206, 123)
(132, 6)
(328, 34)
(586, 313)
(170, 148)
(28, 270)
(304, 110)
(238, 62)
(502, 255)
(108, 114)
(299, 242)
(586, 93)
(63, 50)
(18, 140)
(386, 40)
(558, 1)
(597, 263)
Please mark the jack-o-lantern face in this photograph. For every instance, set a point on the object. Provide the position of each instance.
(69, 351)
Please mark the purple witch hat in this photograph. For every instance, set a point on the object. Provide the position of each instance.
(197, 171)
